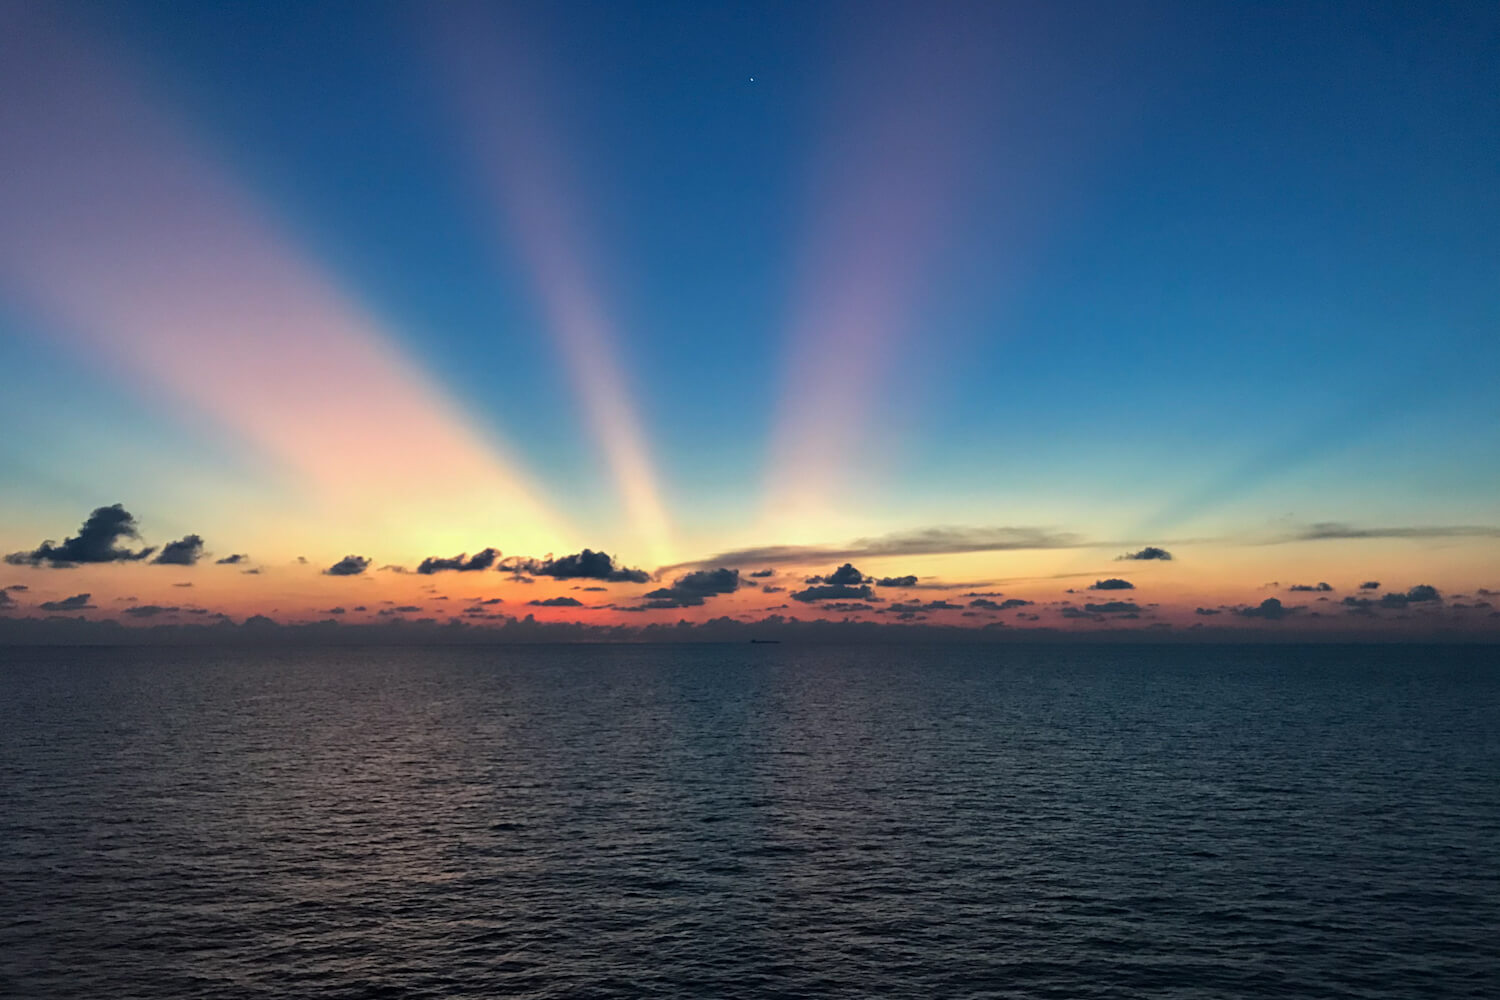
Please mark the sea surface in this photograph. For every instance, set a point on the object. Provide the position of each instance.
(750, 821)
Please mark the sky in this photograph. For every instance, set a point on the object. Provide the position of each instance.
(613, 319)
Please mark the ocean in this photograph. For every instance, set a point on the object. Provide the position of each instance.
(750, 821)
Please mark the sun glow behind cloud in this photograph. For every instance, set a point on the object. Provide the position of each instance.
(496, 92)
(116, 228)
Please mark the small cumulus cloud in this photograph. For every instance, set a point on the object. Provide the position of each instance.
(348, 566)
(460, 563)
(150, 610)
(1310, 588)
(991, 605)
(557, 602)
(97, 541)
(183, 552)
(761, 574)
(1206, 611)
(834, 592)
(1149, 552)
(1113, 608)
(1372, 585)
(692, 589)
(232, 560)
(1113, 583)
(896, 581)
(78, 602)
(335, 611)
(1270, 609)
(585, 565)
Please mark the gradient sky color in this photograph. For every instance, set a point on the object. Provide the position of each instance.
(985, 294)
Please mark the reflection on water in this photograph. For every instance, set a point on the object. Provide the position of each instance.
(750, 821)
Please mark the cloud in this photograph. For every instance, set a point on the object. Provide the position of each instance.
(1206, 611)
(761, 573)
(184, 552)
(96, 542)
(6, 601)
(926, 541)
(1420, 594)
(1005, 605)
(691, 590)
(557, 602)
(848, 607)
(1113, 608)
(1113, 583)
(1325, 530)
(834, 592)
(585, 565)
(918, 606)
(335, 611)
(348, 566)
(405, 609)
(1271, 609)
(1308, 588)
(149, 611)
(1370, 585)
(769, 588)
(233, 560)
(22, 586)
(896, 581)
(78, 602)
(1149, 552)
(845, 576)
(481, 561)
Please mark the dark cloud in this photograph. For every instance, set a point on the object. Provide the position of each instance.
(834, 592)
(1206, 611)
(762, 573)
(233, 560)
(1482, 591)
(335, 611)
(22, 586)
(557, 602)
(1149, 552)
(1113, 583)
(1309, 588)
(1370, 585)
(845, 576)
(348, 566)
(149, 611)
(896, 581)
(405, 609)
(1112, 608)
(460, 563)
(1270, 609)
(1005, 605)
(691, 590)
(183, 552)
(913, 607)
(848, 607)
(392, 568)
(772, 589)
(78, 602)
(585, 565)
(97, 541)
(1420, 594)
(597, 590)
(6, 601)
(182, 584)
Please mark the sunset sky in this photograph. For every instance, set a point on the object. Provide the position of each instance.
(1071, 317)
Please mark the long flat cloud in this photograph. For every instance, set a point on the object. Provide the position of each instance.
(924, 541)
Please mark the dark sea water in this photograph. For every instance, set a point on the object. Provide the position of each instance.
(757, 821)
